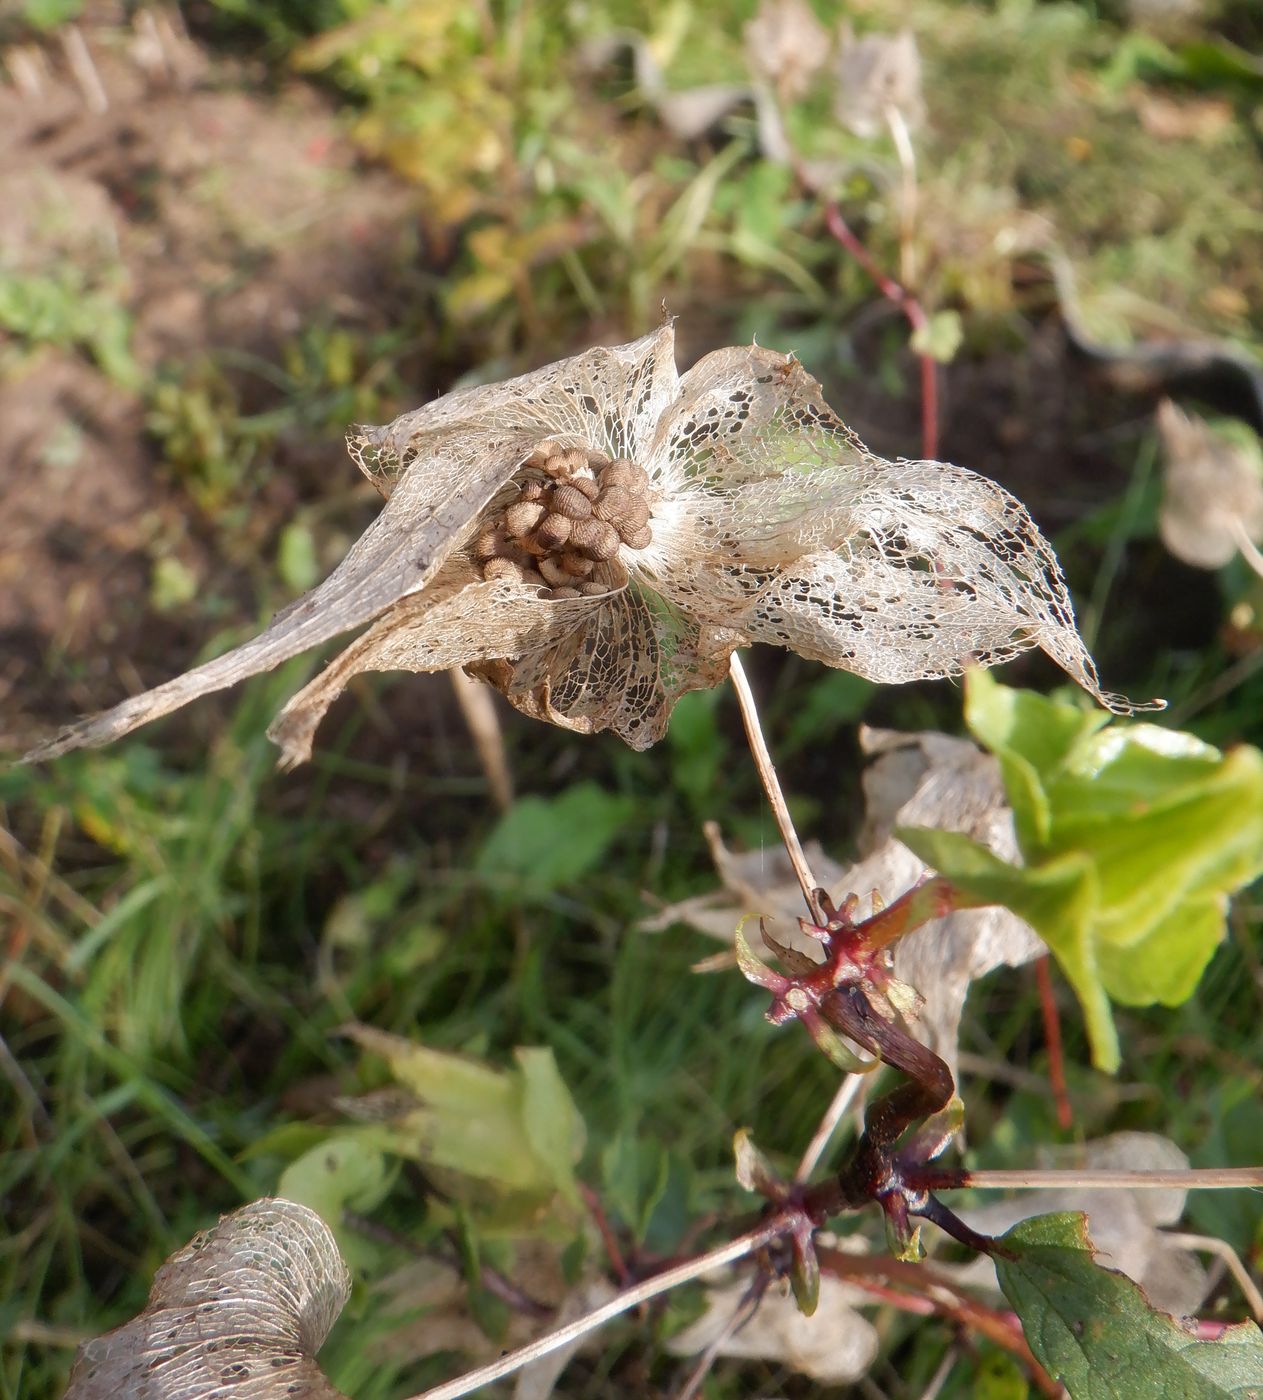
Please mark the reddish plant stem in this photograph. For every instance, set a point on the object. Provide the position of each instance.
(913, 313)
(926, 1286)
(606, 1231)
(1052, 1038)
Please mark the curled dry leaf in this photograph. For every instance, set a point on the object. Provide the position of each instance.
(923, 779)
(878, 73)
(239, 1313)
(757, 516)
(1212, 498)
(1125, 1226)
(834, 1346)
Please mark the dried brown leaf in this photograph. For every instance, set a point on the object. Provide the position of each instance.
(239, 1312)
(834, 1346)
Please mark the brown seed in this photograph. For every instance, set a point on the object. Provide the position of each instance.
(533, 490)
(594, 590)
(625, 473)
(569, 500)
(520, 519)
(490, 544)
(552, 532)
(622, 508)
(576, 460)
(542, 451)
(556, 464)
(578, 565)
(638, 539)
(597, 459)
(550, 567)
(587, 485)
(502, 568)
(565, 592)
(595, 538)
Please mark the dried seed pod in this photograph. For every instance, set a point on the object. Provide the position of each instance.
(576, 564)
(550, 567)
(490, 545)
(625, 473)
(552, 532)
(596, 538)
(565, 592)
(587, 485)
(521, 518)
(570, 501)
(638, 539)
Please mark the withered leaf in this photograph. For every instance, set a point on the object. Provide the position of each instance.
(239, 1312)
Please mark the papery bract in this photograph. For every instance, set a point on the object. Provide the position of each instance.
(769, 521)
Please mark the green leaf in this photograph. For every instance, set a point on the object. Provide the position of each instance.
(545, 843)
(1132, 836)
(348, 1171)
(1057, 899)
(553, 1125)
(1092, 1330)
(296, 557)
(516, 1128)
(940, 338)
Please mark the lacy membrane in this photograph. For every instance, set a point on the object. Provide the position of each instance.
(595, 538)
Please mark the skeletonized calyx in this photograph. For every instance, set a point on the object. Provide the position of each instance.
(239, 1312)
(594, 539)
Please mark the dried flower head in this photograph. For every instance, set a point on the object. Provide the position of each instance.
(1212, 498)
(786, 46)
(875, 74)
(742, 510)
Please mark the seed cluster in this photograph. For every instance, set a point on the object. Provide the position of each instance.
(574, 510)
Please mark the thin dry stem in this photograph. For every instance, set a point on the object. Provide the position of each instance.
(848, 1091)
(1193, 1179)
(741, 1315)
(479, 710)
(630, 1298)
(902, 138)
(1223, 1250)
(771, 783)
(1249, 550)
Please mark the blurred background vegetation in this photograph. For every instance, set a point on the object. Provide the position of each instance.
(230, 229)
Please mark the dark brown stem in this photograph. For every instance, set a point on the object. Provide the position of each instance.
(927, 1089)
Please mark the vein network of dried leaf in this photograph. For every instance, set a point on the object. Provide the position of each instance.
(745, 511)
